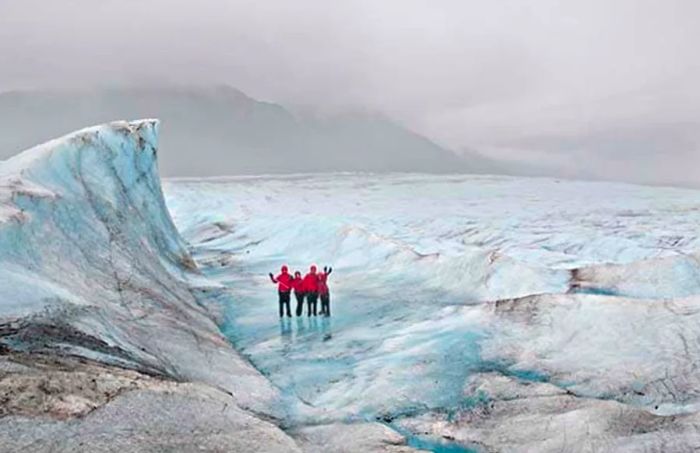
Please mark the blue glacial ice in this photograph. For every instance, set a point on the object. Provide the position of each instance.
(589, 289)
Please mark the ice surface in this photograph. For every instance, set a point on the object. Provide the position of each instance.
(517, 415)
(671, 276)
(433, 283)
(501, 313)
(641, 352)
(561, 224)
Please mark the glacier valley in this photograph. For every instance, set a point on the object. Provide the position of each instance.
(470, 313)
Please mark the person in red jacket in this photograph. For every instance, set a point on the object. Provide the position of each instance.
(298, 286)
(311, 290)
(323, 291)
(284, 287)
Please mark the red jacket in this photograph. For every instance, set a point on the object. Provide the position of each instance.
(322, 283)
(284, 282)
(311, 283)
(298, 285)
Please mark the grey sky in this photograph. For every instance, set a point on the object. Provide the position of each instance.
(605, 87)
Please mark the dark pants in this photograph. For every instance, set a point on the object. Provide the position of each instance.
(326, 304)
(300, 302)
(311, 303)
(284, 303)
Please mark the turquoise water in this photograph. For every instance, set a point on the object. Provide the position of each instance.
(431, 444)
(423, 443)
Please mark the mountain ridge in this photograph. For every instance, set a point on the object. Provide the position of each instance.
(236, 134)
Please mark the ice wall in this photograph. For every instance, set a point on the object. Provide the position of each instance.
(91, 264)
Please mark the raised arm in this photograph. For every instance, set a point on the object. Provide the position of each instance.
(272, 277)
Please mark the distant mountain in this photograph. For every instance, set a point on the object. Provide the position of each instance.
(221, 131)
(481, 164)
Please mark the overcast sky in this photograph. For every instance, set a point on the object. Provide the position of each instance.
(600, 87)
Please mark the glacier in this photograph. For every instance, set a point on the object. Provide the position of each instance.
(470, 313)
(491, 313)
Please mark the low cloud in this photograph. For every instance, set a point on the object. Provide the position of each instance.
(610, 87)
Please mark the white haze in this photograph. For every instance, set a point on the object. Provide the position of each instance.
(598, 88)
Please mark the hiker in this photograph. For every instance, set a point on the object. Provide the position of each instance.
(323, 291)
(284, 287)
(298, 286)
(311, 290)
